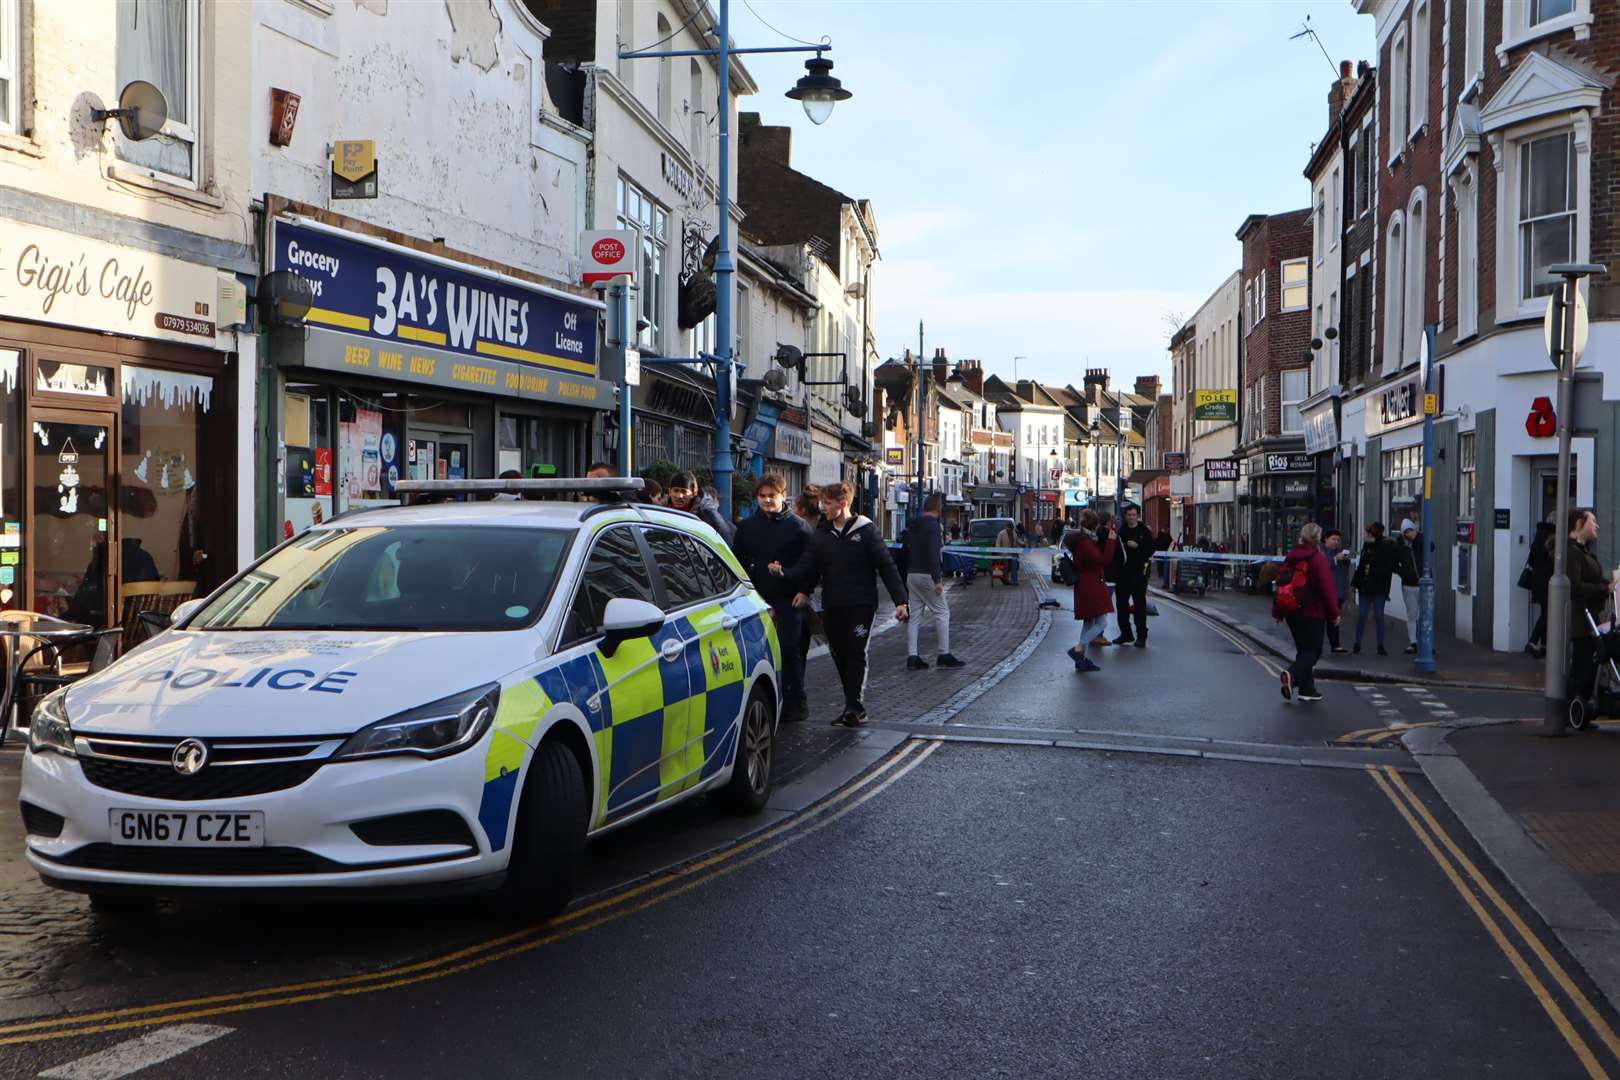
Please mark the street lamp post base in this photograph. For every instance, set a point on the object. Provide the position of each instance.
(1555, 718)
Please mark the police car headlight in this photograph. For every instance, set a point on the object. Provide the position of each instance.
(433, 730)
(49, 730)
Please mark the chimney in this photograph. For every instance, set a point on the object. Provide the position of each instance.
(765, 143)
(1147, 386)
(941, 367)
(1096, 384)
(972, 375)
(1339, 93)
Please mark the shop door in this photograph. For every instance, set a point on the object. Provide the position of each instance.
(441, 455)
(72, 540)
(1548, 496)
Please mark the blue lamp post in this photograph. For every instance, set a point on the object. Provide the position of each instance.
(819, 91)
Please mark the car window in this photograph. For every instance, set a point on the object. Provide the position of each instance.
(407, 577)
(684, 583)
(721, 579)
(615, 568)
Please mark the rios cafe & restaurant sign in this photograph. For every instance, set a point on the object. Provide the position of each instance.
(71, 280)
(382, 310)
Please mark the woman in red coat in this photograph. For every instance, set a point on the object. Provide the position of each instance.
(1090, 549)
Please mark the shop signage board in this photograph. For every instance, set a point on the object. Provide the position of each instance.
(792, 443)
(408, 305)
(1321, 429)
(1219, 469)
(1396, 405)
(608, 254)
(894, 455)
(1175, 461)
(56, 277)
(1214, 404)
(354, 169)
(1276, 463)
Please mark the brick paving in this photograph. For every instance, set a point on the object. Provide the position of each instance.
(50, 946)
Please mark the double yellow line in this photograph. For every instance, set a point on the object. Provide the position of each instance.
(1434, 839)
(573, 922)
(1383, 734)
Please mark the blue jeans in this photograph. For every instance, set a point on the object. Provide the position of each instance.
(1368, 604)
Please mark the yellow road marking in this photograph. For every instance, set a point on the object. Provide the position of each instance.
(1560, 976)
(482, 953)
(1537, 987)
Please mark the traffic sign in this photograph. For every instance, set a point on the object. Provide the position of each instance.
(1581, 328)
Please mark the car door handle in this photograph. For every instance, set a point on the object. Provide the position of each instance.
(672, 649)
(729, 622)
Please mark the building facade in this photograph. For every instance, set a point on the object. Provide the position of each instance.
(1212, 457)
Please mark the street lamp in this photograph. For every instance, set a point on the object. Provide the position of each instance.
(1561, 340)
(819, 91)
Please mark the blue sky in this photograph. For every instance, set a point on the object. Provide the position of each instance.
(1051, 179)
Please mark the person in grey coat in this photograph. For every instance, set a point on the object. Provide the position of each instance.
(1339, 559)
(925, 585)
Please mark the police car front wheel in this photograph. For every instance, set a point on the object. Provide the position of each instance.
(553, 817)
(750, 785)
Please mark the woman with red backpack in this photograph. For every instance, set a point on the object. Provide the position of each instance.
(1307, 600)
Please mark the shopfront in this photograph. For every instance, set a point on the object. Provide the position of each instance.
(411, 364)
(791, 448)
(118, 428)
(991, 500)
(1282, 498)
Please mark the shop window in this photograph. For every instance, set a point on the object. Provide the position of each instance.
(1403, 484)
(157, 43)
(11, 509)
(1467, 476)
(539, 446)
(161, 480)
(306, 429)
(83, 380)
(361, 477)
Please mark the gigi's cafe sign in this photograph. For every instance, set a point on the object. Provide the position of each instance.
(78, 281)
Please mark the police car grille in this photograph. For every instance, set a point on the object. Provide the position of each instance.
(160, 781)
(221, 861)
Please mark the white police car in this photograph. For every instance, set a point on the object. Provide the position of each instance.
(450, 695)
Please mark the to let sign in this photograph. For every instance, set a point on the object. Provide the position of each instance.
(1214, 404)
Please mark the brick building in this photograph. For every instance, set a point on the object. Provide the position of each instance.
(1497, 140)
(1276, 495)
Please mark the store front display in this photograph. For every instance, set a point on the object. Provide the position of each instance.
(415, 365)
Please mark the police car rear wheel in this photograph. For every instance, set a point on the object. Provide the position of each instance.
(750, 785)
(552, 820)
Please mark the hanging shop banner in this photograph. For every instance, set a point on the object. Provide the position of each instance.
(1321, 428)
(1214, 404)
(71, 280)
(397, 298)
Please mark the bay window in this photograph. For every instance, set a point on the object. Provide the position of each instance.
(157, 42)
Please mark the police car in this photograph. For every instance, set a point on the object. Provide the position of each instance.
(445, 696)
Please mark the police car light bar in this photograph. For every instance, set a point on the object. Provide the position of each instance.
(599, 485)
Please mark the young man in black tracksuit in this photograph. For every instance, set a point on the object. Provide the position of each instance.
(775, 536)
(1136, 547)
(845, 555)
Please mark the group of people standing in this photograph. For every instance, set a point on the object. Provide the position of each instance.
(1097, 550)
(818, 565)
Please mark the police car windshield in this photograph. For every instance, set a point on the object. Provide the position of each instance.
(409, 578)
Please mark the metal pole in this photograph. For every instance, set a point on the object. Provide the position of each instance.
(1424, 660)
(1556, 694)
(621, 305)
(724, 267)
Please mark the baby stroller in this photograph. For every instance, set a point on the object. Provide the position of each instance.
(1605, 697)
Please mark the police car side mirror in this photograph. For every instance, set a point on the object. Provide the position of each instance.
(625, 619)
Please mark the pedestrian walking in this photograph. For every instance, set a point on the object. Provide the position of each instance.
(808, 507)
(925, 586)
(1135, 557)
(1008, 538)
(1536, 575)
(776, 536)
(845, 556)
(685, 494)
(1589, 591)
(1410, 567)
(1339, 559)
(1091, 548)
(1375, 570)
(1307, 599)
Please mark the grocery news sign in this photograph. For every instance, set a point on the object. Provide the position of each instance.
(608, 253)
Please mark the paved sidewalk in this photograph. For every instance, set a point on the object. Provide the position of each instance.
(1460, 663)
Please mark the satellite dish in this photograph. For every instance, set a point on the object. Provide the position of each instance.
(774, 380)
(142, 111)
(853, 402)
(789, 356)
(289, 298)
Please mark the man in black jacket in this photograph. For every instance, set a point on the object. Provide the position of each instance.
(776, 535)
(1136, 549)
(845, 556)
(925, 584)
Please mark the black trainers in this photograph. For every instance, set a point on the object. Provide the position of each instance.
(1124, 639)
(1310, 695)
(1410, 649)
(851, 718)
(946, 660)
(1141, 642)
(916, 663)
(1382, 651)
(795, 712)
